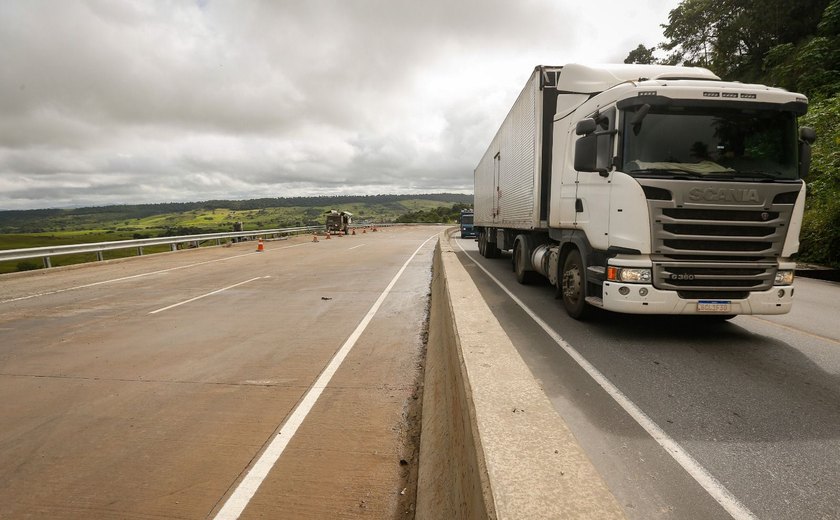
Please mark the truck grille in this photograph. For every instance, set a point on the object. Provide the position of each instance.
(703, 248)
(681, 275)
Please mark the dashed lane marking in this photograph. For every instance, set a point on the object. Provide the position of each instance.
(217, 291)
(124, 278)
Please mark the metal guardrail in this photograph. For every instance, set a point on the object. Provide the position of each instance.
(100, 247)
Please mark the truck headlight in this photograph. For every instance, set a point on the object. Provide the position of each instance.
(783, 278)
(629, 274)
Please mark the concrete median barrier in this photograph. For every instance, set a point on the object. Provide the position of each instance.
(492, 445)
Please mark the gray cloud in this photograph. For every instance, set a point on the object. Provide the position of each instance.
(122, 102)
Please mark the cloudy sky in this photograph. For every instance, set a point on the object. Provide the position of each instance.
(120, 102)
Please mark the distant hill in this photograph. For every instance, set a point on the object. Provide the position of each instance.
(214, 215)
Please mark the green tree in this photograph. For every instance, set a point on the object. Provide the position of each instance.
(441, 214)
(641, 54)
(794, 45)
(813, 65)
(732, 37)
(820, 237)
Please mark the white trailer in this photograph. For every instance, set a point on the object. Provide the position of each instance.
(648, 189)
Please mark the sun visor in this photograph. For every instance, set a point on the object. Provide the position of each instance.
(592, 79)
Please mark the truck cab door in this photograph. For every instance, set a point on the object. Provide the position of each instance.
(592, 200)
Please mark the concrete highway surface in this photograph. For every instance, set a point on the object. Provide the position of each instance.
(227, 383)
(218, 383)
(688, 419)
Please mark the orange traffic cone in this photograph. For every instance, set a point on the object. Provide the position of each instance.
(364, 230)
(328, 235)
(314, 237)
(260, 247)
(354, 232)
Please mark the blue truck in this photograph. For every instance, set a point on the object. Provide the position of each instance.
(466, 223)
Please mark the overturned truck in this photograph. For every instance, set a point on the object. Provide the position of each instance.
(338, 221)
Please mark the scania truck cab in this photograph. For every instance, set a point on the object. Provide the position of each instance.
(664, 190)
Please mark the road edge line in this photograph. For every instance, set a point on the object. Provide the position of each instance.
(700, 474)
(253, 479)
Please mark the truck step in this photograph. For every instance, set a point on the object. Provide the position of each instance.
(595, 301)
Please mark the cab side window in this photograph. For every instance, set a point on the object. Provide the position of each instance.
(594, 148)
(606, 123)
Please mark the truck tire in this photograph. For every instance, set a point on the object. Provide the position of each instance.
(487, 248)
(573, 285)
(519, 261)
(492, 250)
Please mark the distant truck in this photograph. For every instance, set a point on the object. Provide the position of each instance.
(648, 189)
(338, 221)
(466, 223)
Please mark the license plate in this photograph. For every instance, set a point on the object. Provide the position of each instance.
(714, 306)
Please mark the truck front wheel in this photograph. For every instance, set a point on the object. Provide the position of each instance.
(573, 285)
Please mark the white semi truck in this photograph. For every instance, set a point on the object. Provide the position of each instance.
(648, 189)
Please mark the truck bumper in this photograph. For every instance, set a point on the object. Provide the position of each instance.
(777, 300)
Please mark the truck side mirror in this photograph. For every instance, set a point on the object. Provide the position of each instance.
(807, 137)
(586, 126)
(593, 152)
(586, 152)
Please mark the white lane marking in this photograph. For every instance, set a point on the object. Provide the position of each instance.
(217, 291)
(354, 247)
(57, 291)
(241, 496)
(701, 475)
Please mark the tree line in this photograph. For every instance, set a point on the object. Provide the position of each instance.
(792, 45)
(22, 220)
(441, 215)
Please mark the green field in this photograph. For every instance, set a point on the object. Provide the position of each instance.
(43, 228)
(24, 240)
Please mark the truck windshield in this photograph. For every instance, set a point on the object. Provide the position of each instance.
(711, 142)
(466, 219)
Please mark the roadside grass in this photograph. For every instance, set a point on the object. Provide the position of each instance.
(113, 226)
(24, 241)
